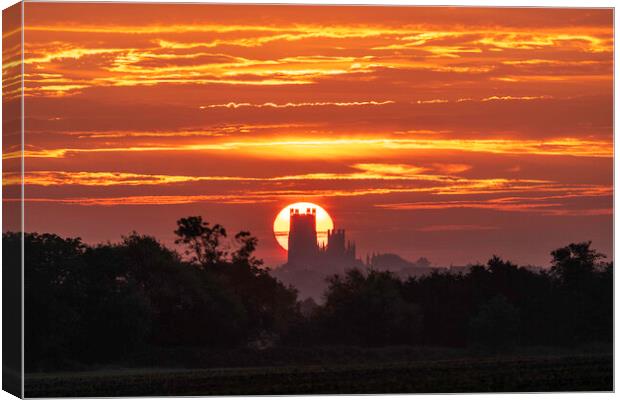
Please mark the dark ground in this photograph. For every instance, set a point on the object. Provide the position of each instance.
(362, 371)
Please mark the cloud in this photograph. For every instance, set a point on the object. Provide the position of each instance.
(366, 172)
(448, 168)
(147, 200)
(56, 178)
(303, 104)
(524, 200)
(374, 110)
(347, 148)
(484, 99)
(94, 54)
(433, 101)
(386, 170)
(522, 204)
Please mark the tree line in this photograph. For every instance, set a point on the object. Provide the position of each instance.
(99, 303)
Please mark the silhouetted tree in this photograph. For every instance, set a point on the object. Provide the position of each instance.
(578, 293)
(446, 303)
(246, 247)
(575, 264)
(202, 240)
(54, 289)
(191, 306)
(268, 304)
(368, 309)
(86, 309)
(496, 325)
(101, 303)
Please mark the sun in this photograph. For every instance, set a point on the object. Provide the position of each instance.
(282, 222)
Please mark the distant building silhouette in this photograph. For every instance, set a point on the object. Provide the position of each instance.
(399, 266)
(303, 250)
(309, 264)
(302, 242)
(336, 248)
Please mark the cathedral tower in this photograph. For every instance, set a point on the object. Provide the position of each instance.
(302, 240)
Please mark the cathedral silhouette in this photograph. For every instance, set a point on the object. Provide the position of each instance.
(304, 251)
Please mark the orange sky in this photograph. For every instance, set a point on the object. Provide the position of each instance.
(450, 133)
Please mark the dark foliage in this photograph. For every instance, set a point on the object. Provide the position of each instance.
(494, 306)
(368, 310)
(496, 326)
(98, 304)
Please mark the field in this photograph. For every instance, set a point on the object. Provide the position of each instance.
(483, 374)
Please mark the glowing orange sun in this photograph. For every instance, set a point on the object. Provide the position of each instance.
(282, 223)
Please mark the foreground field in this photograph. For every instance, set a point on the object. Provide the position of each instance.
(505, 374)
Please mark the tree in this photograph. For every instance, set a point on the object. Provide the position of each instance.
(496, 325)
(446, 301)
(54, 289)
(577, 251)
(99, 303)
(202, 240)
(246, 247)
(368, 309)
(575, 264)
(190, 306)
(269, 306)
(580, 295)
